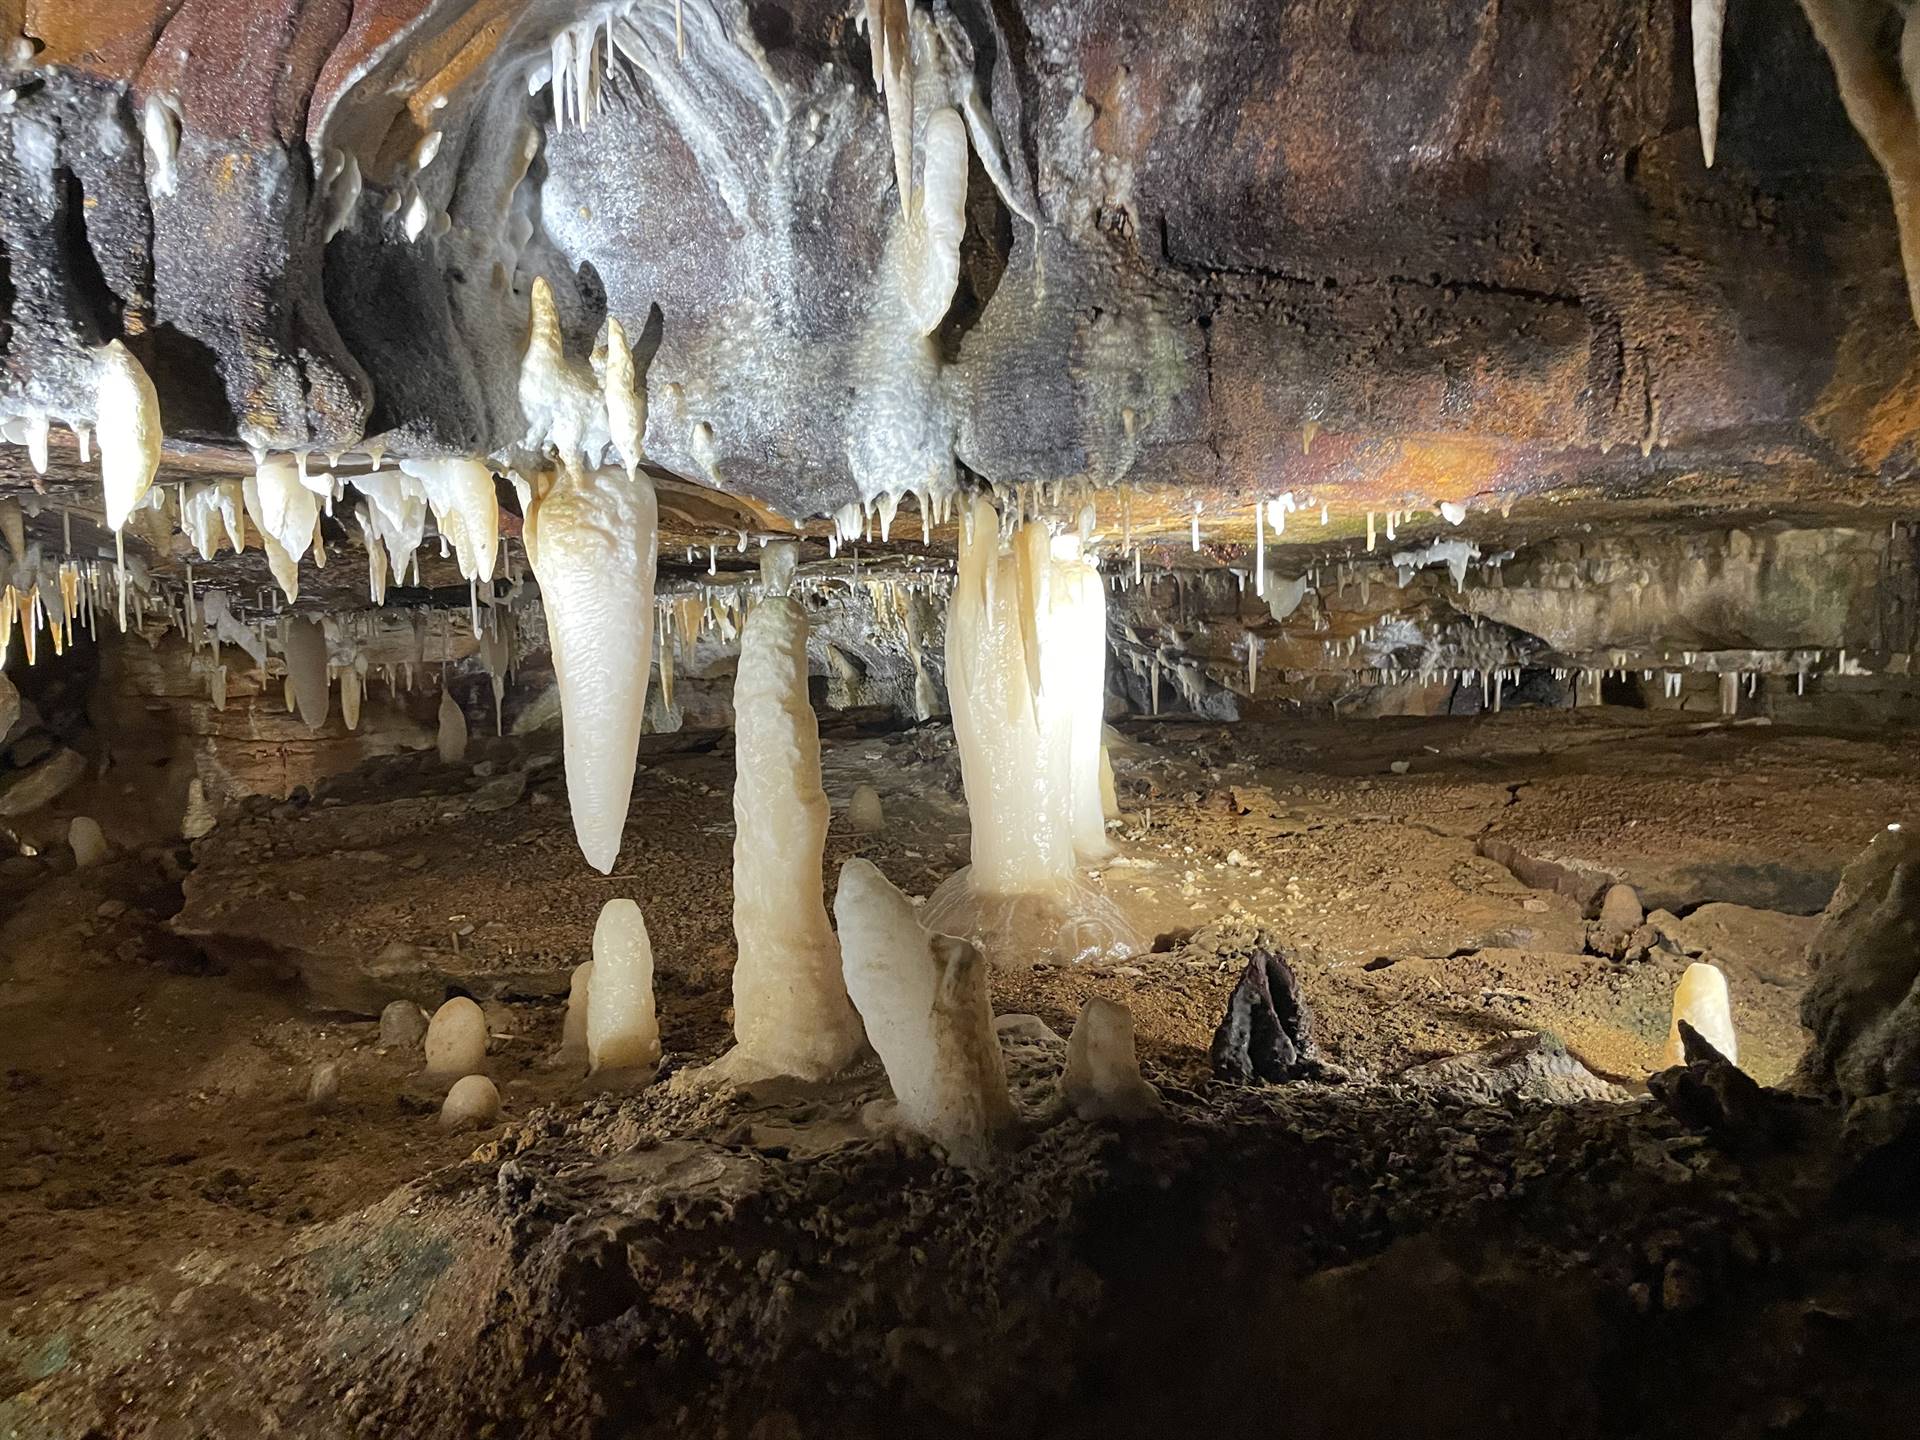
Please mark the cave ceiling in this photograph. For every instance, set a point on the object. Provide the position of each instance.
(1378, 254)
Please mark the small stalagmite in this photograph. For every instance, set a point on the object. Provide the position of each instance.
(1701, 999)
(573, 1034)
(473, 1102)
(790, 1006)
(924, 1001)
(865, 813)
(88, 841)
(456, 1039)
(323, 1085)
(1102, 1079)
(402, 1025)
(452, 738)
(623, 1031)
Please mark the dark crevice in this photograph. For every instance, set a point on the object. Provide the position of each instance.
(95, 307)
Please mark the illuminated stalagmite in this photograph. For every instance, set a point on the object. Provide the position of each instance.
(1702, 1001)
(623, 1032)
(790, 1007)
(924, 1001)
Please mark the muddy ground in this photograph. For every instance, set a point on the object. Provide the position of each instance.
(190, 1248)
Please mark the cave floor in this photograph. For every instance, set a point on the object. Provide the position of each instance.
(190, 1249)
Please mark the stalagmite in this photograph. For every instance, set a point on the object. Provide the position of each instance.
(456, 1039)
(88, 842)
(1102, 1078)
(452, 738)
(925, 1004)
(127, 421)
(592, 539)
(1702, 1001)
(790, 1007)
(573, 1032)
(323, 1085)
(473, 1101)
(350, 696)
(402, 1025)
(864, 811)
(622, 1030)
(306, 652)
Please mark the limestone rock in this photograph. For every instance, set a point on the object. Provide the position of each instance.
(24, 791)
(402, 1025)
(1863, 1006)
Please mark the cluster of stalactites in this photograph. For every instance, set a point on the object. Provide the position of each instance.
(1026, 663)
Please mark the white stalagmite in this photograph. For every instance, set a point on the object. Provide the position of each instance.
(199, 820)
(925, 1004)
(791, 1015)
(460, 493)
(456, 1039)
(88, 842)
(473, 1100)
(592, 539)
(1709, 21)
(1702, 1001)
(1102, 1078)
(623, 1032)
(865, 813)
(306, 654)
(451, 741)
(127, 421)
(573, 1033)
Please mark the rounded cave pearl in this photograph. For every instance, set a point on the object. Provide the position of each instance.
(457, 1038)
(473, 1101)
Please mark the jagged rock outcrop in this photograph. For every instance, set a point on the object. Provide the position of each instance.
(1863, 1006)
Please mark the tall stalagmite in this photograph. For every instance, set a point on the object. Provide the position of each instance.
(790, 1006)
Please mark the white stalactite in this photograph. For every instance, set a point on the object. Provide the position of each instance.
(924, 1000)
(623, 1031)
(790, 1007)
(1709, 21)
(306, 653)
(127, 422)
(460, 493)
(593, 540)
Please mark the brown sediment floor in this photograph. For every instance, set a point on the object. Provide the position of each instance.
(174, 1213)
